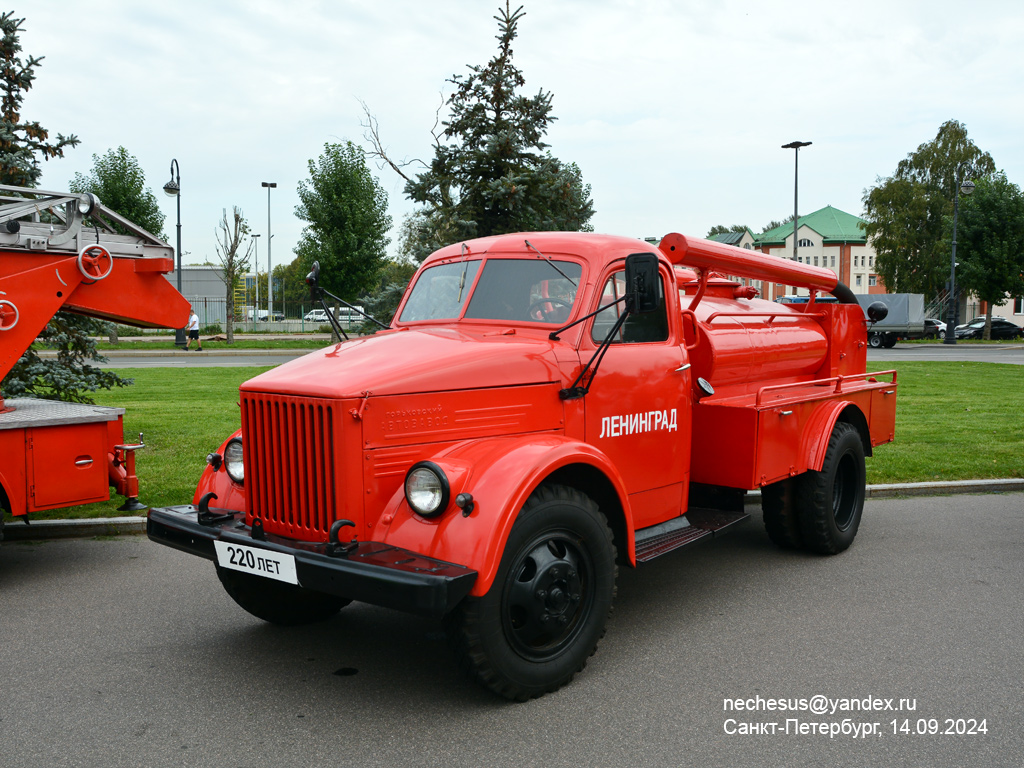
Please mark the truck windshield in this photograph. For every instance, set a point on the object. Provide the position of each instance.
(440, 292)
(524, 290)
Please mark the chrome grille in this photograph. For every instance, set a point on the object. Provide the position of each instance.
(290, 463)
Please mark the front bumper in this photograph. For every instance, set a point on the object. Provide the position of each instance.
(371, 573)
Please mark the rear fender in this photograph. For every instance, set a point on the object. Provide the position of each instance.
(500, 474)
(814, 442)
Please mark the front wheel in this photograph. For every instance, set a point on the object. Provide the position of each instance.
(875, 340)
(546, 610)
(277, 602)
(831, 501)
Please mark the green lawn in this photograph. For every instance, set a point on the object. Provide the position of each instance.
(954, 421)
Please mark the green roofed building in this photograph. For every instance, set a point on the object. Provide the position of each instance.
(827, 238)
(744, 239)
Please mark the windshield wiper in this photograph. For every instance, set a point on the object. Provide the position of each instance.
(462, 278)
(552, 263)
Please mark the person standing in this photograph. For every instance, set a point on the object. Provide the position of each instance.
(193, 332)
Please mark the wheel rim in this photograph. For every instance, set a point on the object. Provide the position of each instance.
(845, 491)
(547, 595)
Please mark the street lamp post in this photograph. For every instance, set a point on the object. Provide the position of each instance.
(270, 272)
(173, 189)
(795, 146)
(966, 186)
(256, 259)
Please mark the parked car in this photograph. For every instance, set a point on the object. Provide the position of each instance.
(1001, 329)
(934, 329)
(263, 316)
(347, 317)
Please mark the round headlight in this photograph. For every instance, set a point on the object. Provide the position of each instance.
(427, 489)
(233, 455)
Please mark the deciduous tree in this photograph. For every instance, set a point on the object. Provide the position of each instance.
(120, 184)
(234, 255)
(907, 212)
(990, 235)
(347, 221)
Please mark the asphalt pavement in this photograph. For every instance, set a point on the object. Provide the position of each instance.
(120, 652)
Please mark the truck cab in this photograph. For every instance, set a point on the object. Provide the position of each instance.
(543, 408)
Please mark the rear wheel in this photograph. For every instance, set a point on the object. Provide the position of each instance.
(831, 501)
(778, 505)
(546, 610)
(278, 602)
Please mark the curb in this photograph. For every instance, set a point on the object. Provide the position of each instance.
(68, 529)
(118, 526)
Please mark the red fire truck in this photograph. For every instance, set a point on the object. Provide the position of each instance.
(543, 408)
(62, 251)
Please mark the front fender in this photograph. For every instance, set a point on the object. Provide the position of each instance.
(500, 473)
(230, 495)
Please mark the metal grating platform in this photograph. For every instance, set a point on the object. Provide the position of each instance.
(32, 413)
(695, 525)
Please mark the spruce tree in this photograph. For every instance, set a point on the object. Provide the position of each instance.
(68, 376)
(21, 142)
(491, 172)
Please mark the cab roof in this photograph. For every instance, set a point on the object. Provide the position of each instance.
(594, 248)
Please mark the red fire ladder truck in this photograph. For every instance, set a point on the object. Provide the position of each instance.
(62, 251)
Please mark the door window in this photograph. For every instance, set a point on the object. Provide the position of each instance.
(651, 326)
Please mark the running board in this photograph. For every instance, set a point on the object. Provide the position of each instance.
(695, 525)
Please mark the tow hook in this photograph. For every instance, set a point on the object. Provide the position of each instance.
(205, 516)
(334, 546)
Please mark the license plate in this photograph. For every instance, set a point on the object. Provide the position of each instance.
(258, 562)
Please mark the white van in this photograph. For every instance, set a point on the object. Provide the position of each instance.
(347, 317)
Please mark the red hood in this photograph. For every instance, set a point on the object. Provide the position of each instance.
(411, 361)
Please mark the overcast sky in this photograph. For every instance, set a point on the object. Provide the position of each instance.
(674, 111)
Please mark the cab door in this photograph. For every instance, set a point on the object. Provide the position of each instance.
(637, 411)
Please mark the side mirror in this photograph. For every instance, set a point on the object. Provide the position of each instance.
(877, 311)
(313, 281)
(314, 274)
(642, 282)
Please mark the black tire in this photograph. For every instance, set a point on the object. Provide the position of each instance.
(778, 505)
(831, 501)
(875, 340)
(546, 610)
(277, 602)
(890, 340)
